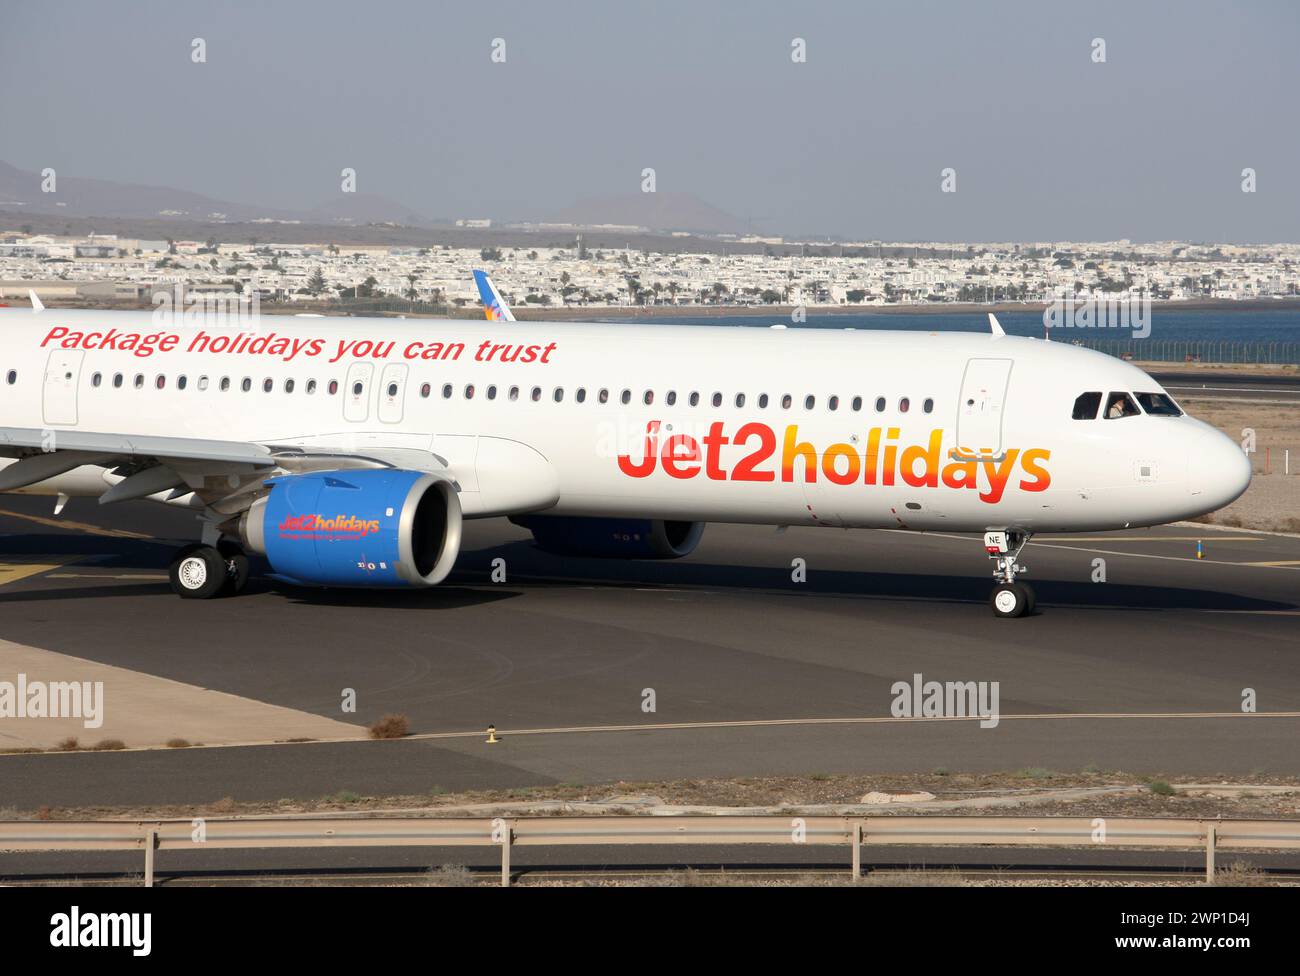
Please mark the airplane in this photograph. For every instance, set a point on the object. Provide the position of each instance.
(494, 306)
(348, 451)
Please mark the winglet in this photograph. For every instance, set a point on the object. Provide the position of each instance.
(36, 302)
(494, 306)
(993, 324)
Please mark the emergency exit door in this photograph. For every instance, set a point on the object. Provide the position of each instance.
(981, 406)
(59, 399)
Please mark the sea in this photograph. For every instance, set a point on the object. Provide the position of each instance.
(1253, 334)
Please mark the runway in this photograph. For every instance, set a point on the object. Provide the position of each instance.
(749, 671)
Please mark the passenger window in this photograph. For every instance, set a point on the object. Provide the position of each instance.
(358, 388)
(139, 381)
(809, 402)
(603, 397)
(1159, 405)
(537, 394)
(880, 404)
(96, 379)
(203, 382)
(1120, 405)
(225, 383)
(649, 397)
(268, 385)
(762, 401)
(580, 394)
(425, 390)
(492, 392)
(247, 384)
(392, 388)
(1085, 406)
(904, 405)
(740, 399)
(695, 399)
(670, 397)
(181, 381)
(446, 391)
(833, 403)
(626, 396)
(333, 387)
(311, 387)
(117, 378)
(12, 377)
(928, 405)
(514, 393)
(469, 391)
(558, 395)
(857, 404)
(290, 384)
(717, 399)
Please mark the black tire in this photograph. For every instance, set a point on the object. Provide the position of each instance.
(236, 567)
(1031, 598)
(1009, 600)
(197, 573)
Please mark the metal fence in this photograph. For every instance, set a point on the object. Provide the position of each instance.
(1196, 350)
(510, 832)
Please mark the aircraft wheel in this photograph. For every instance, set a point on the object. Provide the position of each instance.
(1010, 600)
(197, 573)
(1030, 596)
(236, 567)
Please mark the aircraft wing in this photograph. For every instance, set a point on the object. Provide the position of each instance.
(225, 475)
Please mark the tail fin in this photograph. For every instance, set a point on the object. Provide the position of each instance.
(494, 306)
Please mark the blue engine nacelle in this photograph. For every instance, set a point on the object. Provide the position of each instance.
(369, 527)
(611, 538)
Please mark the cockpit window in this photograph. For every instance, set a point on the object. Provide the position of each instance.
(1121, 405)
(1159, 405)
(1085, 407)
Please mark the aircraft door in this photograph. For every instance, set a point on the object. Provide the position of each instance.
(392, 392)
(356, 392)
(981, 406)
(59, 397)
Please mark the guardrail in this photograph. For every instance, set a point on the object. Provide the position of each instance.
(150, 836)
(1192, 350)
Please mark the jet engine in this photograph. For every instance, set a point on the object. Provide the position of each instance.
(379, 527)
(611, 538)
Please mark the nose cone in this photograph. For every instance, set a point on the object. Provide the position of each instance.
(1218, 471)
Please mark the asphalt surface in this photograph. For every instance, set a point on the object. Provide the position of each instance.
(1229, 385)
(756, 673)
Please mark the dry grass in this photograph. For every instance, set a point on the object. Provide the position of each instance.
(1240, 874)
(450, 876)
(178, 743)
(108, 745)
(390, 727)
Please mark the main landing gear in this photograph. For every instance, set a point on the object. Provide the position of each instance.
(1009, 599)
(201, 572)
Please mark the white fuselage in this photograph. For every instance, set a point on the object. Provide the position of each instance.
(959, 431)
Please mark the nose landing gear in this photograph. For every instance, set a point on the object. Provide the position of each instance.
(1009, 598)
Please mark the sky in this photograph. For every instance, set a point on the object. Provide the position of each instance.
(1046, 143)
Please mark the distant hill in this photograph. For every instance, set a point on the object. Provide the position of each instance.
(366, 208)
(20, 192)
(83, 197)
(657, 211)
(76, 196)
